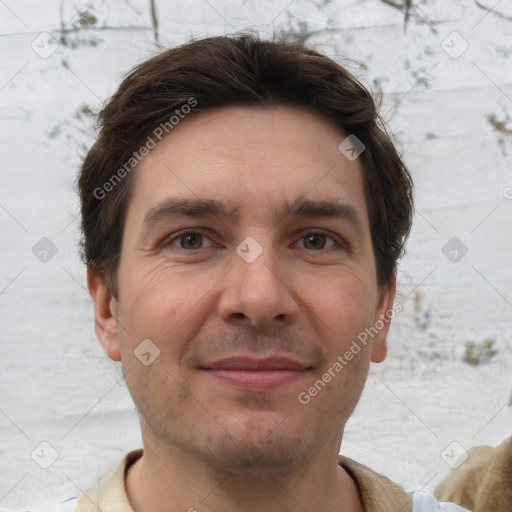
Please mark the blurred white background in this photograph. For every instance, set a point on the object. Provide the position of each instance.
(445, 70)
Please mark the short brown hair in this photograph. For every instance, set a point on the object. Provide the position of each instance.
(222, 71)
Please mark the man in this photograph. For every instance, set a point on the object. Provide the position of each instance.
(243, 212)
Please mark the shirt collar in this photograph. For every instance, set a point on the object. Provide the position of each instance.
(377, 492)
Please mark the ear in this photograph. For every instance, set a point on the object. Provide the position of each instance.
(384, 307)
(105, 315)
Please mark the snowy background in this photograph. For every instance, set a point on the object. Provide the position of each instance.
(445, 71)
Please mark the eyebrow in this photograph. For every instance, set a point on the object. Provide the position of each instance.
(302, 207)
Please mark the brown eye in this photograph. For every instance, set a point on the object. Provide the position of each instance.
(188, 240)
(317, 241)
(314, 241)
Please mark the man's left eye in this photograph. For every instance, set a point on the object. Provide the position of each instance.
(318, 241)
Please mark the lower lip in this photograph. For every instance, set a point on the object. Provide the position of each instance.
(262, 380)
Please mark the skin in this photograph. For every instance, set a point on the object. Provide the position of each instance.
(207, 445)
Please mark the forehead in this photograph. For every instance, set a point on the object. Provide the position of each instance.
(259, 158)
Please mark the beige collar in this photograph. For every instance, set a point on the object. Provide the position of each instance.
(377, 492)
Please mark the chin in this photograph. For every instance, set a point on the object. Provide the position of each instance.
(246, 458)
(255, 445)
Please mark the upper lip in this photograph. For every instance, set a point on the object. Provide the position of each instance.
(252, 364)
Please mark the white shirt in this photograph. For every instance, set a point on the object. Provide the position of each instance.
(425, 502)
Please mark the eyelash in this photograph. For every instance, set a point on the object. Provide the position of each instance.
(338, 242)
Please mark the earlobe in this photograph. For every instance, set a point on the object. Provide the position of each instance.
(379, 349)
(383, 321)
(105, 315)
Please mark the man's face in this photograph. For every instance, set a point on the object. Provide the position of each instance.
(248, 311)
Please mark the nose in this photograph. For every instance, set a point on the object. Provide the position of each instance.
(259, 292)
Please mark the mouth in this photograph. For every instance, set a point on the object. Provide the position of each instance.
(249, 374)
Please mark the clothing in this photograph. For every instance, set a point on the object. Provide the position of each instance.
(482, 481)
(377, 492)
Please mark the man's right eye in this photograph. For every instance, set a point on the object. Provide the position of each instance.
(187, 240)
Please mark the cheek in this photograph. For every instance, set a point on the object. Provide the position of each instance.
(162, 305)
(335, 401)
(346, 304)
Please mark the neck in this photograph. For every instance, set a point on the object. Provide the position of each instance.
(171, 482)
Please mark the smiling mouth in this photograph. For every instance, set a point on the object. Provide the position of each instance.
(256, 375)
